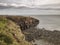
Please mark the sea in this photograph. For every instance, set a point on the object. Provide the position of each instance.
(49, 22)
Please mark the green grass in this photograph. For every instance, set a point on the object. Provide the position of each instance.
(3, 22)
(6, 39)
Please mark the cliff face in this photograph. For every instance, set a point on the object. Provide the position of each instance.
(10, 33)
(24, 22)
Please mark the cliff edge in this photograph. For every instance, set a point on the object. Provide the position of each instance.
(10, 33)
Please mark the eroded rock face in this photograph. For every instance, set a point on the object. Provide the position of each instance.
(24, 22)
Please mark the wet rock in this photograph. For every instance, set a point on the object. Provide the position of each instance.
(24, 22)
(35, 44)
(37, 34)
(29, 38)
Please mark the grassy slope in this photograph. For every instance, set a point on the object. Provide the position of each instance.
(10, 33)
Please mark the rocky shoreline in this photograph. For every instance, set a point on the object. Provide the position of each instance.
(46, 35)
(28, 24)
(12, 27)
(19, 27)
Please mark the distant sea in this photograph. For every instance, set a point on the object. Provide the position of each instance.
(28, 11)
(49, 22)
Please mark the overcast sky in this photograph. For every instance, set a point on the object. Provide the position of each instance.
(31, 2)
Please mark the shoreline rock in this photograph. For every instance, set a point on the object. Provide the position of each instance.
(47, 35)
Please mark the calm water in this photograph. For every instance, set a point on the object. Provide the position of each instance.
(25, 11)
(49, 22)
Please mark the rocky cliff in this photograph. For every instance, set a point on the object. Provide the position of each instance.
(10, 33)
(11, 29)
(24, 22)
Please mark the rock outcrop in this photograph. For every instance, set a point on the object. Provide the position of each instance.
(24, 22)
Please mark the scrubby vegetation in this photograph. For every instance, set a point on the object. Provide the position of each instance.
(10, 33)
